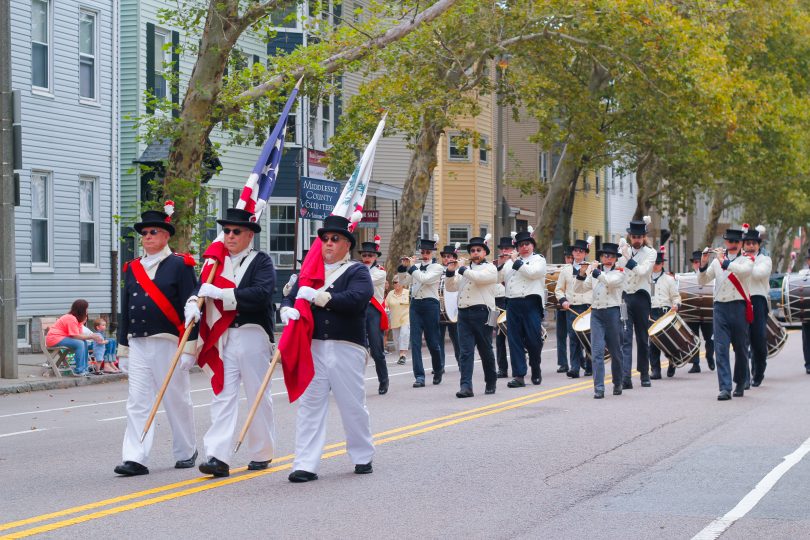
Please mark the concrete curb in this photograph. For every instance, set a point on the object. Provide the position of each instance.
(63, 382)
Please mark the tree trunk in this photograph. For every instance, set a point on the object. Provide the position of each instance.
(718, 205)
(414, 194)
(646, 185)
(780, 248)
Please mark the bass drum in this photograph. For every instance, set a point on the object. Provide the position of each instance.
(552, 275)
(448, 305)
(675, 339)
(582, 328)
(502, 325)
(775, 336)
(696, 300)
(796, 297)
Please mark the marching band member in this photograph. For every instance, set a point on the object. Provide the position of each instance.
(155, 288)
(571, 304)
(759, 286)
(525, 279)
(424, 281)
(476, 300)
(506, 246)
(606, 283)
(665, 296)
(637, 260)
(245, 346)
(561, 322)
(733, 312)
(338, 352)
(704, 326)
(806, 323)
(376, 319)
(448, 255)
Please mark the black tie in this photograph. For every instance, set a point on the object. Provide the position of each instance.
(423, 267)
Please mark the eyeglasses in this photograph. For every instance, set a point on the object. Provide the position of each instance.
(227, 230)
(524, 243)
(368, 254)
(153, 232)
(335, 238)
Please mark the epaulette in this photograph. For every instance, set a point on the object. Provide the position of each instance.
(670, 274)
(187, 258)
(126, 266)
(381, 267)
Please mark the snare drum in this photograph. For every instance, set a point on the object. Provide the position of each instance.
(552, 275)
(796, 297)
(696, 300)
(675, 339)
(582, 328)
(502, 326)
(775, 335)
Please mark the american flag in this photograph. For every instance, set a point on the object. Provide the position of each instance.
(258, 188)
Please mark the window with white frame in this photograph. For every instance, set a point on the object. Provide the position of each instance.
(293, 135)
(162, 40)
(458, 233)
(41, 44)
(285, 17)
(458, 150)
(543, 166)
(88, 63)
(483, 230)
(88, 220)
(282, 234)
(426, 227)
(483, 150)
(40, 217)
(23, 339)
(321, 126)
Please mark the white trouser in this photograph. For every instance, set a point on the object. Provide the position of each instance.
(402, 337)
(245, 359)
(339, 367)
(149, 361)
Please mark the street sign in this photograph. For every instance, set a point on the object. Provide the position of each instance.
(318, 197)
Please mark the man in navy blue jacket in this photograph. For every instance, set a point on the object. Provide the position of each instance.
(338, 352)
(244, 347)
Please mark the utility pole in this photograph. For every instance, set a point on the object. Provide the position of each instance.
(8, 296)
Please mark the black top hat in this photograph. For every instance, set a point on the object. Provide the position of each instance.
(567, 252)
(426, 243)
(580, 244)
(449, 250)
(639, 228)
(696, 255)
(478, 241)
(753, 234)
(733, 235)
(659, 257)
(524, 236)
(610, 249)
(370, 247)
(155, 218)
(241, 217)
(337, 224)
(505, 242)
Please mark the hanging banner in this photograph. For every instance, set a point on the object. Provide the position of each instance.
(318, 197)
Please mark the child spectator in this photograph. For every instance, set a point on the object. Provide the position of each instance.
(105, 351)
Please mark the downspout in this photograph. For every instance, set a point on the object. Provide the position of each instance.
(115, 203)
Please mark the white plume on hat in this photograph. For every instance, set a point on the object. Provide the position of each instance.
(513, 234)
(377, 240)
(589, 241)
(457, 245)
(436, 238)
(760, 229)
(745, 228)
(487, 238)
(357, 215)
(530, 230)
(168, 208)
(647, 220)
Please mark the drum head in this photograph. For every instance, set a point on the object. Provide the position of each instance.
(451, 305)
(662, 322)
(583, 322)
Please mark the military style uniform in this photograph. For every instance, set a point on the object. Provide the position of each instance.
(665, 296)
(759, 288)
(376, 320)
(579, 302)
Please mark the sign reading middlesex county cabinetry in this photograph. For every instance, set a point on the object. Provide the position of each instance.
(318, 197)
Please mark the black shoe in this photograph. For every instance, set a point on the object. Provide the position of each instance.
(671, 370)
(131, 468)
(503, 374)
(645, 382)
(656, 374)
(627, 385)
(401, 361)
(419, 384)
(297, 477)
(258, 465)
(464, 392)
(748, 385)
(617, 390)
(186, 463)
(739, 390)
(383, 389)
(517, 382)
(807, 370)
(215, 467)
(573, 374)
(711, 364)
(588, 372)
(537, 380)
(437, 379)
(756, 383)
(363, 468)
(562, 369)
(490, 389)
(598, 394)
(723, 396)
(696, 368)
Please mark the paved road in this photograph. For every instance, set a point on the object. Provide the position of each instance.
(545, 461)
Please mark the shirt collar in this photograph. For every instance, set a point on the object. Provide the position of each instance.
(149, 261)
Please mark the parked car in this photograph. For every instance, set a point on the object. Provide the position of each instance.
(775, 294)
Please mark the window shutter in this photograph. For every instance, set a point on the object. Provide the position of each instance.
(338, 103)
(150, 63)
(176, 72)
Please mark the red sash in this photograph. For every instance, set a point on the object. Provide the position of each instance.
(156, 295)
(383, 315)
(749, 308)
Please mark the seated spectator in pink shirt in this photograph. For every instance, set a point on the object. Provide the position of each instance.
(68, 332)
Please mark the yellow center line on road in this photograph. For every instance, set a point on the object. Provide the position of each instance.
(380, 438)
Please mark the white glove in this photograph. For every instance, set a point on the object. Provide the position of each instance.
(209, 291)
(290, 284)
(624, 248)
(306, 293)
(289, 314)
(322, 298)
(191, 311)
(187, 361)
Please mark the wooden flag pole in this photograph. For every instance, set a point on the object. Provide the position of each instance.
(176, 358)
(259, 396)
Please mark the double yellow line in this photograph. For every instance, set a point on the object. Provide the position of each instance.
(197, 485)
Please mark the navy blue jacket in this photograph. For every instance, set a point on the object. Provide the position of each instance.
(344, 316)
(140, 315)
(254, 295)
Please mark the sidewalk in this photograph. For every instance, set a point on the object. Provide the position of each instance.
(33, 374)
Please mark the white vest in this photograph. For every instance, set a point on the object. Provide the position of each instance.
(565, 288)
(476, 286)
(639, 278)
(528, 279)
